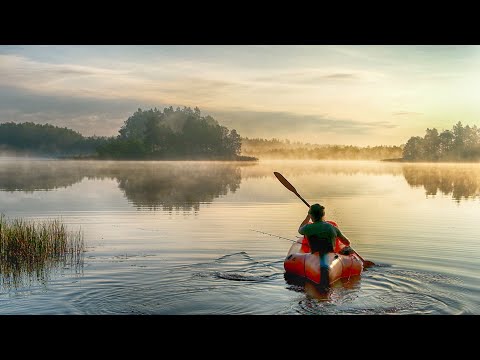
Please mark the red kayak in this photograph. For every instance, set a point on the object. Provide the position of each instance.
(301, 262)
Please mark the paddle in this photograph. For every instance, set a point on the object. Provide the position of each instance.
(366, 263)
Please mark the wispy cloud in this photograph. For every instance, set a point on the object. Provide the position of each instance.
(174, 81)
(313, 77)
(19, 70)
(290, 125)
(105, 116)
(87, 115)
(341, 76)
(406, 113)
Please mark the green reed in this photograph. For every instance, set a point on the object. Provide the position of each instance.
(28, 247)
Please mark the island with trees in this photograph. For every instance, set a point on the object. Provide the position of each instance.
(174, 135)
(180, 134)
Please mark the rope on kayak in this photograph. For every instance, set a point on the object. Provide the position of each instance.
(280, 237)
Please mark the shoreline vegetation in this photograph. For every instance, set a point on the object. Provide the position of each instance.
(185, 135)
(284, 149)
(28, 247)
(461, 144)
(146, 135)
(178, 158)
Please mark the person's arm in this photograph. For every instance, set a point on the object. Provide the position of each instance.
(342, 237)
(304, 222)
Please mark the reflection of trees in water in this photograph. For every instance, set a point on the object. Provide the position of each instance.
(18, 275)
(31, 176)
(170, 185)
(30, 252)
(462, 181)
(179, 187)
(292, 169)
(185, 185)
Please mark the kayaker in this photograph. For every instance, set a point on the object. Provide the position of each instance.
(321, 237)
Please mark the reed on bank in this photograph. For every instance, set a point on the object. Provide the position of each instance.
(29, 246)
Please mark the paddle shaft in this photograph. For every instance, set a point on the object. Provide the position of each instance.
(306, 203)
(290, 187)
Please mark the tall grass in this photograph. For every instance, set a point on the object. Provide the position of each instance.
(28, 248)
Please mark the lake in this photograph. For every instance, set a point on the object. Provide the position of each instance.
(211, 237)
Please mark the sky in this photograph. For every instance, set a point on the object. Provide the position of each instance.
(358, 94)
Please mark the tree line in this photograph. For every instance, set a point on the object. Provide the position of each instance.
(186, 134)
(46, 139)
(459, 144)
(285, 149)
(173, 134)
(150, 134)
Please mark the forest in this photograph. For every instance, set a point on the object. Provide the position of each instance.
(285, 149)
(46, 140)
(459, 144)
(184, 134)
(173, 134)
(180, 134)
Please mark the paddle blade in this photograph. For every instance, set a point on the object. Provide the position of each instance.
(367, 264)
(285, 182)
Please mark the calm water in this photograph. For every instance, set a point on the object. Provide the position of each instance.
(192, 237)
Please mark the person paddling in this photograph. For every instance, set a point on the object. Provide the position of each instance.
(321, 237)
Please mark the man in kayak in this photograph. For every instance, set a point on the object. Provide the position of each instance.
(321, 237)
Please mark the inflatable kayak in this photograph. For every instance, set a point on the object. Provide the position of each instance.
(301, 262)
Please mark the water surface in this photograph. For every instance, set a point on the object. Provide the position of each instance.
(192, 237)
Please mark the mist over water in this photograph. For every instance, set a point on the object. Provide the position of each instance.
(191, 237)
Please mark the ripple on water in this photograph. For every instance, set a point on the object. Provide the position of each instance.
(132, 287)
(384, 290)
(239, 283)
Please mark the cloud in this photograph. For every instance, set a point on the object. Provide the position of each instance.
(294, 126)
(105, 116)
(87, 115)
(308, 77)
(341, 76)
(174, 81)
(403, 113)
(199, 88)
(96, 99)
(20, 71)
(72, 71)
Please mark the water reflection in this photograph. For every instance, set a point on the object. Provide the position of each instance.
(32, 251)
(462, 181)
(31, 176)
(292, 169)
(175, 185)
(178, 187)
(313, 291)
(14, 276)
(190, 265)
(185, 185)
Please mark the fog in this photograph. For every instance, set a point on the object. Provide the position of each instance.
(285, 149)
(187, 184)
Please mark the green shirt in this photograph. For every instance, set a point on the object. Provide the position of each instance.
(322, 229)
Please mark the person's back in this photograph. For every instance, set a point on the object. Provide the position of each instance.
(321, 237)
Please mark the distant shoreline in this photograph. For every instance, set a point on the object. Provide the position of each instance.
(93, 157)
(394, 160)
(433, 162)
(240, 158)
